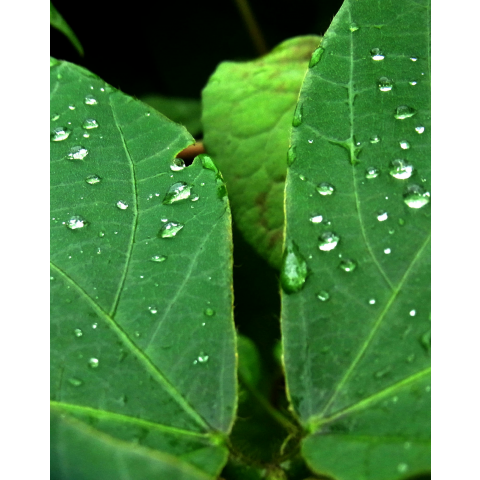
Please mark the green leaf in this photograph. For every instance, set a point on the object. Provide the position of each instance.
(58, 22)
(357, 334)
(141, 289)
(247, 112)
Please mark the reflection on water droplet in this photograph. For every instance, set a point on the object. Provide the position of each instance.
(413, 82)
(60, 133)
(404, 111)
(178, 191)
(153, 310)
(122, 205)
(347, 265)
(78, 332)
(323, 295)
(298, 115)
(416, 197)
(382, 216)
(158, 258)
(316, 219)
(316, 55)
(101, 234)
(194, 198)
(402, 467)
(420, 129)
(294, 269)
(93, 362)
(375, 139)
(413, 59)
(71, 107)
(291, 156)
(384, 84)
(177, 164)
(90, 100)
(77, 153)
(202, 358)
(353, 27)
(376, 54)
(387, 251)
(404, 145)
(328, 241)
(400, 169)
(54, 117)
(76, 222)
(372, 172)
(371, 301)
(412, 313)
(325, 188)
(93, 179)
(94, 325)
(170, 229)
(90, 123)
(310, 141)
(75, 382)
(209, 312)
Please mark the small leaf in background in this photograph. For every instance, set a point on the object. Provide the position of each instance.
(142, 338)
(247, 115)
(58, 22)
(356, 336)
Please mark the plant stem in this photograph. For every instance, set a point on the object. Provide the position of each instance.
(252, 26)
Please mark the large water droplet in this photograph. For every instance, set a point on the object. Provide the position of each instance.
(122, 205)
(93, 179)
(78, 332)
(75, 382)
(372, 172)
(382, 216)
(177, 164)
(348, 265)
(323, 295)
(158, 258)
(404, 111)
(90, 100)
(375, 139)
(325, 188)
(416, 197)
(384, 84)
(76, 222)
(93, 363)
(377, 54)
(328, 241)
(170, 229)
(291, 156)
(209, 312)
(90, 123)
(316, 55)
(60, 133)
(420, 129)
(401, 169)
(178, 191)
(77, 153)
(294, 269)
(298, 115)
(316, 219)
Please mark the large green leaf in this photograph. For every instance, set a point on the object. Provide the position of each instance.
(247, 113)
(356, 315)
(141, 313)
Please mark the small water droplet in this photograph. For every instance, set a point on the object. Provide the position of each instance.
(298, 115)
(71, 107)
(416, 197)
(158, 258)
(77, 153)
(291, 156)
(401, 221)
(384, 84)
(209, 312)
(75, 382)
(316, 219)
(387, 251)
(412, 313)
(147, 114)
(90, 100)
(78, 332)
(328, 241)
(372, 172)
(420, 129)
(178, 191)
(377, 54)
(54, 117)
(202, 358)
(323, 295)
(310, 141)
(294, 269)
(94, 325)
(76, 222)
(372, 301)
(153, 310)
(404, 145)
(400, 169)
(382, 216)
(325, 188)
(170, 229)
(194, 198)
(404, 111)
(353, 27)
(402, 467)
(177, 164)
(375, 139)
(122, 205)
(413, 82)
(93, 362)
(90, 123)
(316, 55)
(348, 265)
(52, 278)
(302, 177)
(101, 234)
(413, 59)
(60, 133)
(93, 179)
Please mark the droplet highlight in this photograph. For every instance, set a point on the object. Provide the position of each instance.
(76, 222)
(294, 269)
(158, 258)
(89, 124)
(77, 153)
(60, 133)
(323, 295)
(90, 100)
(400, 169)
(384, 84)
(93, 179)
(170, 229)
(316, 219)
(325, 188)
(404, 111)
(93, 363)
(328, 241)
(372, 172)
(177, 165)
(376, 54)
(178, 191)
(348, 265)
(382, 216)
(416, 197)
(420, 129)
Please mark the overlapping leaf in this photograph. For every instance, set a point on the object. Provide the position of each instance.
(356, 324)
(143, 361)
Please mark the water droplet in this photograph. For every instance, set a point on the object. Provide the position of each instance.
(316, 55)
(404, 111)
(158, 258)
(170, 229)
(194, 198)
(384, 84)
(90, 123)
(75, 382)
(302, 177)
(202, 358)
(54, 117)
(291, 156)
(316, 219)
(76, 222)
(416, 197)
(328, 241)
(375, 139)
(298, 115)
(426, 341)
(412, 313)
(178, 191)
(413, 82)
(90, 100)
(382, 216)
(401, 169)
(387, 251)
(376, 54)
(413, 59)
(153, 310)
(93, 179)
(94, 325)
(353, 27)
(294, 269)
(52, 278)
(420, 129)
(77, 153)
(101, 234)
(122, 205)
(401, 221)
(402, 467)
(371, 301)
(391, 231)
(177, 165)
(60, 133)
(71, 107)
(209, 312)
(325, 188)
(404, 145)
(348, 265)
(78, 332)
(372, 172)
(93, 362)
(323, 295)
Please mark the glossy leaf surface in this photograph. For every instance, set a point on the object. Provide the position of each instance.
(143, 358)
